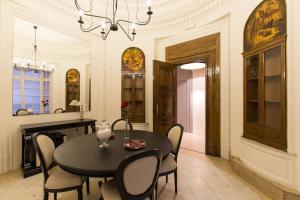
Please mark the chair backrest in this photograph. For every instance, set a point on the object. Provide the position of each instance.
(120, 124)
(45, 148)
(175, 133)
(137, 175)
(22, 112)
(59, 110)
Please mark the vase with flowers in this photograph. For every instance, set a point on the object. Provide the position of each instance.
(124, 112)
(45, 104)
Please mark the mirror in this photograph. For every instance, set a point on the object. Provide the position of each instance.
(51, 71)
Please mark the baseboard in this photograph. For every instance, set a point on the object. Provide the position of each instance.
(270, 188)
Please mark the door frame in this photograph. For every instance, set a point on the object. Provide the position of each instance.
(208, 49)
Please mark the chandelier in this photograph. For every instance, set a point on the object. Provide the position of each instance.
(34, 66)
(112, 24)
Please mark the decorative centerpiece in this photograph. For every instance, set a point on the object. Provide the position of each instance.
(124, 113)
(103, 134)
(135, 144)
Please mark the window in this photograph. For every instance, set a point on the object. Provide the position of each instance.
(31, 90)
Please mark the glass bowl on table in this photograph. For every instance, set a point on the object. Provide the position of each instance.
(103, 134)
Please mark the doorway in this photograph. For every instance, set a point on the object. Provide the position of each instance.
(191, 105)
(205, 49)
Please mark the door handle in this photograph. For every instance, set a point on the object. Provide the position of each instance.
(157, 111)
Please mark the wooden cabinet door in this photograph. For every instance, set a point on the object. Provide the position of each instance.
(164, 96)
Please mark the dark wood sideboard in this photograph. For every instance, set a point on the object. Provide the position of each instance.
(28, 150)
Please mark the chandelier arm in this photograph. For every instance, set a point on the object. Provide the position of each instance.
(79, 7)
(97, 16)
(90, 29)
(131, 38)
(137, 23)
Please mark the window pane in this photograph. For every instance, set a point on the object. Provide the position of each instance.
(27, 92)
(28, 99)
(16, 99)
(36, 92)
(36, 108)
(16, 72)
(28, 106)
(36, 84)
(31, 74)
(16, 83)
(16, 91)
(16, 107)
(36, 100)
(28, 84)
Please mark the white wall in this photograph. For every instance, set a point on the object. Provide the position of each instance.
(199, 101)
(184, 99)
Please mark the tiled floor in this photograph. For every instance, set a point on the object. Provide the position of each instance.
(200, 178)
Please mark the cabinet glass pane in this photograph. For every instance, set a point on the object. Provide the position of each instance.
(252, 88)
(272, 88)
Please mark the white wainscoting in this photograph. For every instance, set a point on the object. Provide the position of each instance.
(270, 163)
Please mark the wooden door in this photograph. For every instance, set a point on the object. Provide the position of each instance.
(164, 96)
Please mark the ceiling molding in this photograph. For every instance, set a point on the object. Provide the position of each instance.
(192, 9)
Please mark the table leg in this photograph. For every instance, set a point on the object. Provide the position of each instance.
(86, 130)
(93, 128)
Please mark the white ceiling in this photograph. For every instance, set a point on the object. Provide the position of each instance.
(24, 32)
(164, 10)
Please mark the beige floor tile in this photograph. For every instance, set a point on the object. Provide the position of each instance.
(215, 182)
(200, 177)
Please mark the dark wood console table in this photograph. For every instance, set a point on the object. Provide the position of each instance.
(28, 150)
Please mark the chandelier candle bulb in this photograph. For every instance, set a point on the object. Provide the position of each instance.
(149, 4)
(80, 21)
(81, 13)
(103, 26)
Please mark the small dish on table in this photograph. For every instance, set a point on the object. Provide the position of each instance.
(134, 144)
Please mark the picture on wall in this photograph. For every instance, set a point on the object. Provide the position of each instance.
(133, 60)
(265, 23)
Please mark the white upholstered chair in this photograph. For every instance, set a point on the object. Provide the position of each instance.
(169, 164)
(120, 124)
(55, 179)
(22, 112)
(135, 179)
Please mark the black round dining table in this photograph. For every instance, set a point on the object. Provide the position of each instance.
(83, 156)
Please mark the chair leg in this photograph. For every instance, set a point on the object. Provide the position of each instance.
(156, 191)
(105, 179)
(55, 196)
(167, 179)
(79, 191)
(175, 179)
(46, 195)
(152, 196)
(87, 185)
